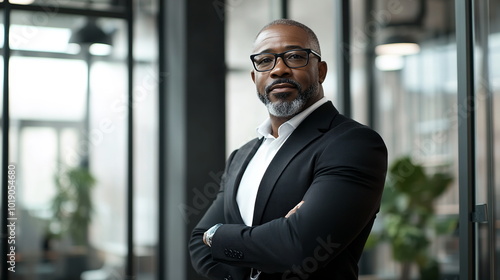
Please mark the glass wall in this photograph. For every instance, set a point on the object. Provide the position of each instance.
(415, 91)
(68, 139)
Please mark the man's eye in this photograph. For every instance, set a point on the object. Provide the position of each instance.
(264, 60)
(295, 56)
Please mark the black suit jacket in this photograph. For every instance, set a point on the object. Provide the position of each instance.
(337, 166)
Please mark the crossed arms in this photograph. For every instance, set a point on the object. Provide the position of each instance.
(340, 204)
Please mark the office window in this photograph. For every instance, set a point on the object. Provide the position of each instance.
(68, 102)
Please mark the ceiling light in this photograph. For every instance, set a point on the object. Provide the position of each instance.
(398, 45)
(92, 36)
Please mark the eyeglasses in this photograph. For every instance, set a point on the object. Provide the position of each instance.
(263, 62)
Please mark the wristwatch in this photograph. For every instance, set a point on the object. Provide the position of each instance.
(209, 234)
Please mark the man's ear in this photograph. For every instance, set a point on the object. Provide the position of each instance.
(252, 73)
(322, 70)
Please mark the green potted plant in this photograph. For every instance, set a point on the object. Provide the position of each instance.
(72, 209)
(409, 218)
(72, 205)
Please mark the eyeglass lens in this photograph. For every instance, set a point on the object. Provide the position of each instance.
(293, 59)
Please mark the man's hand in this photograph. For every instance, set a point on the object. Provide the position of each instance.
(294, 209)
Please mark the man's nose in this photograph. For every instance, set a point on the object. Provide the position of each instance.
(280, 69)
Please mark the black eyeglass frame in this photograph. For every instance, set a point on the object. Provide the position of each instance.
(277, 55)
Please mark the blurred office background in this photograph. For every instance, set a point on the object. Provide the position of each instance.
(118, 115)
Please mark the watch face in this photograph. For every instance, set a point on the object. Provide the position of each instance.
(210, 234)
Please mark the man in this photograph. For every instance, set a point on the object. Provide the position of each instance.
(299, 201)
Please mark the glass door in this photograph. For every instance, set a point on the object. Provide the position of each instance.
(486, 77)
(478, 90)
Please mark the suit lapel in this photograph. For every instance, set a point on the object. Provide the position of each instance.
(317, 123)
(236, 169)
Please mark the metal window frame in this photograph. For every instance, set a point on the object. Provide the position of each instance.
(343, 54)
(466, 137)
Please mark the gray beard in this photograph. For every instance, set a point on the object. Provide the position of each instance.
(283, 108)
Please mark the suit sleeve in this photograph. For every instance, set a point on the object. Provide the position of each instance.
(201, 256)
(340, 206)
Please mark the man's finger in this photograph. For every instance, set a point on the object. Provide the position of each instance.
(294, 209)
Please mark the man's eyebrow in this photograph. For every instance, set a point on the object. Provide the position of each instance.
(290, 47)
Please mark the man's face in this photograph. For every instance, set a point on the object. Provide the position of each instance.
(287, 91)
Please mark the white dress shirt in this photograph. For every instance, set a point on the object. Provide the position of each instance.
(249, 185)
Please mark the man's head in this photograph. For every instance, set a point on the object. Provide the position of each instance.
(291, 81)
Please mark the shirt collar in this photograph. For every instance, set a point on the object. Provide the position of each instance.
(264, 129)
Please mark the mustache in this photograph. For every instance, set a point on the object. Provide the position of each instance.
(282, 81)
